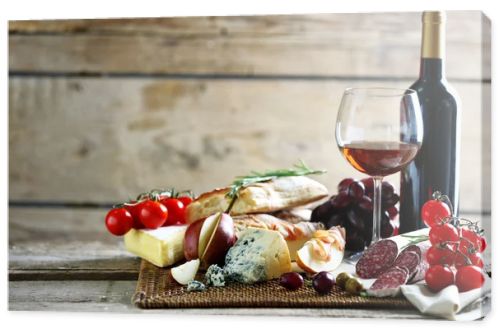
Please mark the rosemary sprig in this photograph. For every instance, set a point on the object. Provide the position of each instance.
(299, 169)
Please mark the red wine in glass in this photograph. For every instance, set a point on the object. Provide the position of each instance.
(379, 131)
(379, 158)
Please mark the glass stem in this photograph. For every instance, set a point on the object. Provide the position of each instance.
(377, 207)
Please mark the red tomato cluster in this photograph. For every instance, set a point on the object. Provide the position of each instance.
(151, 210)
(455, 254)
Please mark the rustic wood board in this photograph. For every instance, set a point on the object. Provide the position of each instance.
(345, 45)
(66, 244)
(114, 138)
(115, 296)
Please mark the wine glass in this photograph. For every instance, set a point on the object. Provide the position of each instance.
(379, 131)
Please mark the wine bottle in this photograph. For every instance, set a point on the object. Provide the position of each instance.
(436, 166)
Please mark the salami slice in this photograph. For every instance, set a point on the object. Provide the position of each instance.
(409, 260)
(377, 258)
(390, 279)
(420, 249)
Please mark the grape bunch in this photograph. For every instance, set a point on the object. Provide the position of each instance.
(352, 208)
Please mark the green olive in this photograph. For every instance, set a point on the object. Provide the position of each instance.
(341, 279)
(353, 286)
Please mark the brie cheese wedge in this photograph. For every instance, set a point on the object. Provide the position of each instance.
(162, 247)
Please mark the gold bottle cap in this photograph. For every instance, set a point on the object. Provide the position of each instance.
(434, 17)
(433, 34)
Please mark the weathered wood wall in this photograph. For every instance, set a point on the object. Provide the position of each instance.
(100, 110)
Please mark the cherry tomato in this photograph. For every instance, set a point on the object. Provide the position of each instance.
(466, 247)
(469, 277)
(476, 260)
(153, 214)
(464, 259)
(175, 211)
(186, 200)
(119, 221)
(439, 277)
(134, 210)
(443, 233)
(434, 211)
(440, 255)
(475, 240)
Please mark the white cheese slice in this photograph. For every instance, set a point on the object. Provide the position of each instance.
(162, 247)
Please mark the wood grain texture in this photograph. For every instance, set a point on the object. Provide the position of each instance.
(345, 45)
(65, 245)
(75, 139)
(114, 296)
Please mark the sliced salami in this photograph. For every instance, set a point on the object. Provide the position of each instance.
(421, 249)
(390, 279)
(377, 258)
(409, 260)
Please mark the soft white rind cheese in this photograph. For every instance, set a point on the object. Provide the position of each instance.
(162, 247)
(258, 255)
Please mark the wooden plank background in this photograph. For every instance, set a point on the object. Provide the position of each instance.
(101, 110)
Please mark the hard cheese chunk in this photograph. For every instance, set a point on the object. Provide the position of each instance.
(258, 255)
(162, 247)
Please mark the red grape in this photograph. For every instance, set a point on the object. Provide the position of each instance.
(469, 277)
(291, 281)
(344, 184)
(387, 190)
(355, 219)
(390, 201)
(366, 203)
(342, 200)
(438, 277)
(323, 282)
(368, 182)
(352, 208)
(393, 212)
(387, 229)
(356, 190)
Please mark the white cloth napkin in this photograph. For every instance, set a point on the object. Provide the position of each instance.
(449, 303)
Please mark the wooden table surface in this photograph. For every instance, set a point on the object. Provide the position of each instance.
(62, 259)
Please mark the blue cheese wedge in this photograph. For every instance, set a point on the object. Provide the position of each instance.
(258, 255)
(195, 286)
(215, 276)
(162, 247)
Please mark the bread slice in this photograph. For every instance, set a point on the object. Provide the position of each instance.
(264, 197)
(295, 234)
(258, 255)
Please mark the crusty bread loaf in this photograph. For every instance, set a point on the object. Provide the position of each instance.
(264, 197)
(295, 234)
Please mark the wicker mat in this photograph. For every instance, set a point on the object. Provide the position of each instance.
(157, 289)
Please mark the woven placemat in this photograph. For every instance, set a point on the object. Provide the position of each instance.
(157, 289)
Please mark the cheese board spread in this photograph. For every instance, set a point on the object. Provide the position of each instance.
(265, 235)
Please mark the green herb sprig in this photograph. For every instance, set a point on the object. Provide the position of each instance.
(299, 169)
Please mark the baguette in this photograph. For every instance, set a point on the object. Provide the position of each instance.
(264, 197)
